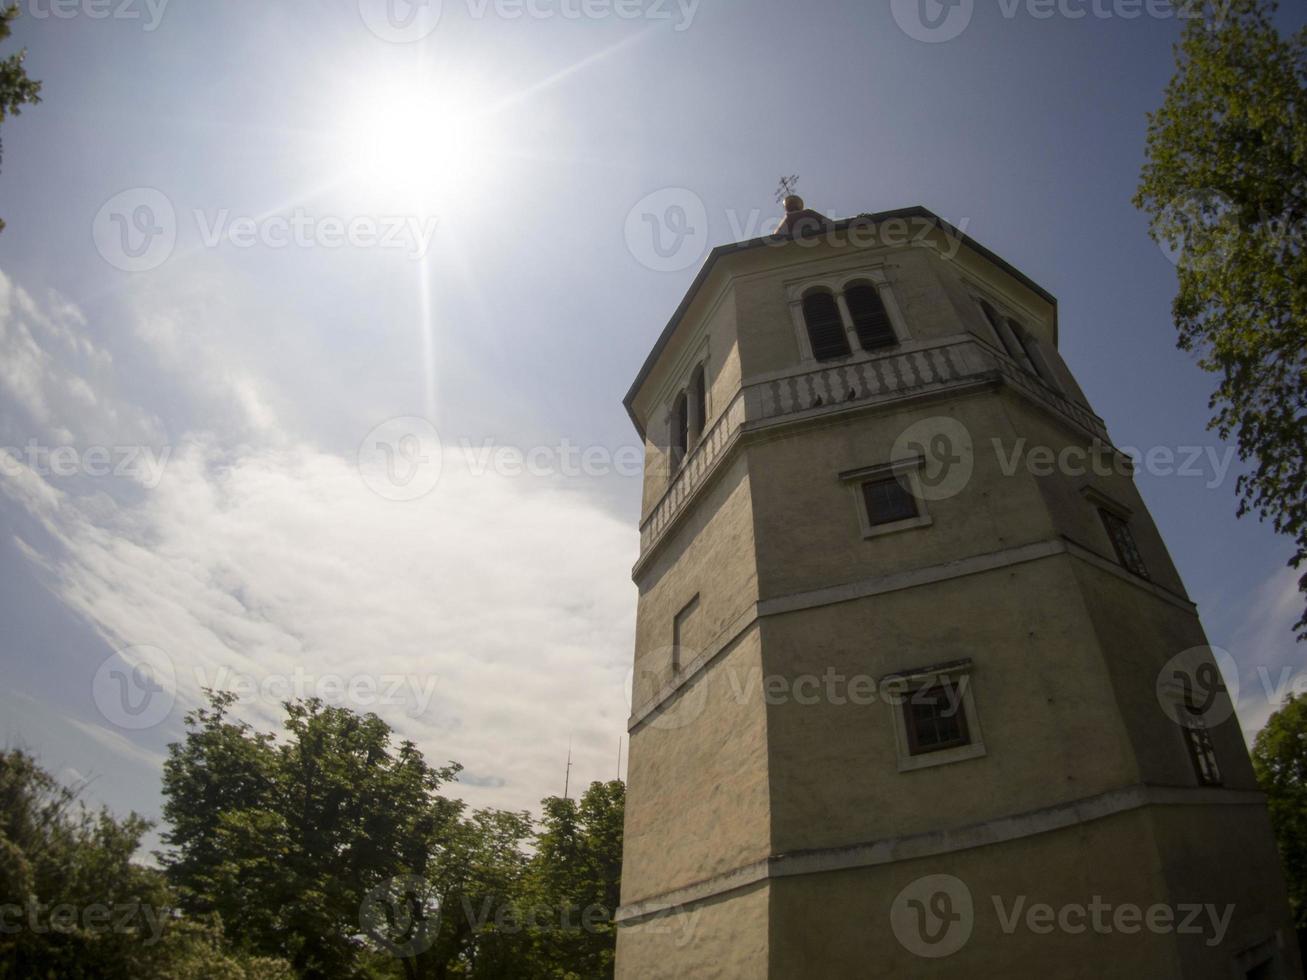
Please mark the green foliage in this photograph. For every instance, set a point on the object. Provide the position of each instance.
(1280, 761)
(576, 882)
(331, 848)
(286, 840)
(16, 89)
(1225, 182)
(73, 905)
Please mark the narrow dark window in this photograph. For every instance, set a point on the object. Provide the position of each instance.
(698, 404)
(992, 317)
(936, 719)
(825, 326)
(1203, 753)
(680, 429)
(870, 318)
(1020, 347)
(888, 501)
(1123, 541)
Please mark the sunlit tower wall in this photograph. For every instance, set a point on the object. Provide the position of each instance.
(900, 682)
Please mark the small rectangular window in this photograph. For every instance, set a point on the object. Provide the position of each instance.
(684, 634)
(935, 719)
(1203, 753)
(1123, 541)
(888, 501)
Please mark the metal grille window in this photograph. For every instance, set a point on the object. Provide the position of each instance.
(870, 318)
(935, 719)
(888, 501)
(1203, 753)
(826, 334)
(1118, 529)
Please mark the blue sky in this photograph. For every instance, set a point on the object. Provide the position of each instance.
(501, 155)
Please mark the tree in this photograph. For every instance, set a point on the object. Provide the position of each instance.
(16, 89)
(575, 883)
(1225, 181)
(329, 846)
(73, 905)
(288, 840)
(1280, 761)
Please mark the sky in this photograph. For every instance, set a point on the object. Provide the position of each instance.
(316, 317)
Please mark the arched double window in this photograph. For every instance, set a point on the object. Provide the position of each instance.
(1019, 344)
(689, 416)
(821, 315)
(828, 333)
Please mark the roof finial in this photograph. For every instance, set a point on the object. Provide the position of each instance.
(785, 193)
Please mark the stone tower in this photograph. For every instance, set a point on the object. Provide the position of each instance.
(917, 689)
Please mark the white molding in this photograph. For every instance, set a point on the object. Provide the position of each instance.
(894, 582)
(891, 850)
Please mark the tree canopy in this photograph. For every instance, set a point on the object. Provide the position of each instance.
(16, 89)
(1280, 761)
(1225, 186)
(332, 846)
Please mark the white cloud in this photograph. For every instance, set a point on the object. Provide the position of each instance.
(506, 600)
(58, 379)
(1270, 661)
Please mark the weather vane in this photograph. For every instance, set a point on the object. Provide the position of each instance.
(787, 185)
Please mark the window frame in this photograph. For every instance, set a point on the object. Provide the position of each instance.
(837, 308)
(694, 407)
(963, 738)
(1128, 555)
(868, 284)
(899, 687)
(905, 469)
(836, 283)
(1202, 752)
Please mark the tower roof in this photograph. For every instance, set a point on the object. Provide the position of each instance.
(802, 222)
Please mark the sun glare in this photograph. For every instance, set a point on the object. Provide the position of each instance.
(417, 142)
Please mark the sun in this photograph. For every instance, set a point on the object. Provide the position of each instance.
(416, 140)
